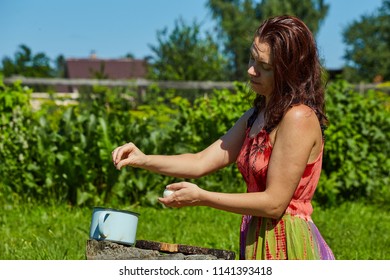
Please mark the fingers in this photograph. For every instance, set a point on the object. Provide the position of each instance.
(185, 194)
(122, 163)
(175, 186)
(120, 153)
(170, 201)
(114, 154)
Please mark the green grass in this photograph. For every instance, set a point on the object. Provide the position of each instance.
(354, 231)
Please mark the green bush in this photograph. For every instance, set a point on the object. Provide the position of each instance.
(16, 136)
(356, 162)
(63, 154)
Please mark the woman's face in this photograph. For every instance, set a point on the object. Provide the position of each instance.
(260, 68)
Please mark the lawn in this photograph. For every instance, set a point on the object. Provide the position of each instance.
(354, 231)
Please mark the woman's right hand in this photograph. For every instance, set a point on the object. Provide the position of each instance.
(128, 154)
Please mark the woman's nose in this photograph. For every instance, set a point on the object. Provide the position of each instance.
(251, 70)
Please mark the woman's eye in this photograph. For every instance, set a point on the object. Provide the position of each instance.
(266, 66)
(259, 64)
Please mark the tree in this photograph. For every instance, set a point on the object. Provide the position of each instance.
(236, 23)
(368, 46)
(26, 64)
(238, 20)
(129, 55)
(185, 55)
(60, 66)
(312, 12)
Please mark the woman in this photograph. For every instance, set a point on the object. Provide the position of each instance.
(277, 145)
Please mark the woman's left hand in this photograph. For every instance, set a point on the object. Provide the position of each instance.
(185, 194)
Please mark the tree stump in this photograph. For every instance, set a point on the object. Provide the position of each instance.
(152, 250)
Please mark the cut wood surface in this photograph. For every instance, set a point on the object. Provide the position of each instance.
(185, 249)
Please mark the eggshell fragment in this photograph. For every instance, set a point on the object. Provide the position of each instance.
(167, 192)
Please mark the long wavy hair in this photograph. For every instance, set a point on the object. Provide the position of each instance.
(297, 70)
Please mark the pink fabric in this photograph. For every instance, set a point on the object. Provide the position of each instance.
(253, 164)
(294, 235)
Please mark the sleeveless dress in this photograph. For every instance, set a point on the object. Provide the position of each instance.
(292, 237)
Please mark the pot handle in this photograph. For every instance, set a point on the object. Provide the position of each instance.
(102, 217)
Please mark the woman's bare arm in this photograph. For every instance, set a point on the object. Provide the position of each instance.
(297, 137)
(221, 153)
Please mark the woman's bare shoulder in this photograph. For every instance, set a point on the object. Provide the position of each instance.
(300, 121)
(300, 114)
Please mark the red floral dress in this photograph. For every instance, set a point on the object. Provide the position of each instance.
(294, 236)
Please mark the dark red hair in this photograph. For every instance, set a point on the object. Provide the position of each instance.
(296, 66)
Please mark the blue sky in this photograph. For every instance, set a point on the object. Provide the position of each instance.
(114, 28)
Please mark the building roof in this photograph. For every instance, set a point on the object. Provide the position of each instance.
(92, 68)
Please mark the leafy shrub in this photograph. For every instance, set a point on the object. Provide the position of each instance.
(356, 162)
(16, 132)
(63, 154)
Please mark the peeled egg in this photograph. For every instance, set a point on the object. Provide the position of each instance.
(167, 192)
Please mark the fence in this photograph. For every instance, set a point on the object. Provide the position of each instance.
(136, 83)
(139, 85)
